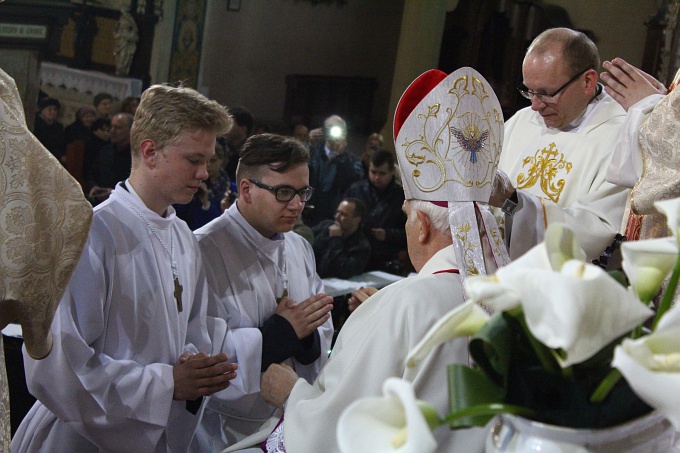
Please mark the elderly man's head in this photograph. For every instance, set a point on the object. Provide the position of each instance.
(427, 230)
(560, 75)
(121, 124)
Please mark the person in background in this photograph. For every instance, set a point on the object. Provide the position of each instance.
(205, 205)
(263, 282)
(131, 355)
(332, 169)
(129, 105)
(101, 136)
(81, 127)
(301, 132)
(241, 129)
(303, 230)
(262, 128)
(113, 161)
(373, 144)
(47, 129)
(77, 135)
(102, 104)
(384, 220)
(340, 246)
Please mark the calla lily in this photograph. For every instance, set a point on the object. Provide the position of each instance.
(397, 422)
(671, 209)
(580, 309)
(560, 246)
(651, 365)
(647, 263)
(463, 321)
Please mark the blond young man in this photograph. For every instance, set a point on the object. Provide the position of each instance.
(131, 359)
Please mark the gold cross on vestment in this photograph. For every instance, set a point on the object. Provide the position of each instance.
(178, 294)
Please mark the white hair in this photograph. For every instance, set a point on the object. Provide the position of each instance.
(438, 215)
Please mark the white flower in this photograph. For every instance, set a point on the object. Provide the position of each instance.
(647, 263)
(560, 245)
(393, 423)
(671, 209)
(462, 321)
(651, 365)
(567, 303)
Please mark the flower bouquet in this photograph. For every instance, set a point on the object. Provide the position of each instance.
(568, 344)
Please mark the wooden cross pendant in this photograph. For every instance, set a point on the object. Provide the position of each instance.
(284, 294)
(178, 294)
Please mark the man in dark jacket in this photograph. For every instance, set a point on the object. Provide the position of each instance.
(385, 219)
(340, 247)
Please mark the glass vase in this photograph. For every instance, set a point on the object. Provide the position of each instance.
(650, 433)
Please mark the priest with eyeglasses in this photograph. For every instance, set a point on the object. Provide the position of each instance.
(556, 152)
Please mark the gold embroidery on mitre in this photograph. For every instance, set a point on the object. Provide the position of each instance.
(543, 168)
(468, 248)
(457, 146)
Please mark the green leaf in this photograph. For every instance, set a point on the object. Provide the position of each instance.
(471, 387)
(620, 277)
(545, 356)
(492, 348)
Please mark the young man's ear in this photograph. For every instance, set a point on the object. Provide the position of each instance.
(148, 152)
(244, 187)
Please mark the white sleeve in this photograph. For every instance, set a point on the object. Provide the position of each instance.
(625, 167)
(595, 218)
(97, 395)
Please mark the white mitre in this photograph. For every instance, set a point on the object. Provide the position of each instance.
(448, 137)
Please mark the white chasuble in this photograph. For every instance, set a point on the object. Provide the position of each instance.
(561, 177)
(372, 346)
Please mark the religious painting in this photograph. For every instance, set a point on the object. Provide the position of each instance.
(187, 39)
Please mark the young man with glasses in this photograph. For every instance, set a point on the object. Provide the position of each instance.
(263, 282)
(556, 152)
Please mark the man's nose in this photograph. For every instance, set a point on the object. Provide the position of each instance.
(202, 172)
(536, 103)
(296, 202)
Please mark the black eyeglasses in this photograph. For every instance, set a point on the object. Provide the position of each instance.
(548, 97)
(286, 193)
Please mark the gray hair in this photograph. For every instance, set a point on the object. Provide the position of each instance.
(438, 215)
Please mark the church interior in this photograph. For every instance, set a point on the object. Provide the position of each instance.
(302, 60)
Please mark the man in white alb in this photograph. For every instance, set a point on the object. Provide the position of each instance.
(556, 152)
(450, 233)
(263, 282)
(131, 362)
